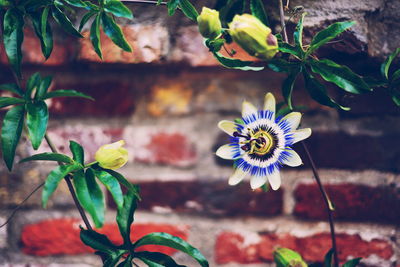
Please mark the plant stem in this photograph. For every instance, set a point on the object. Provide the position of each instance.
(70, 187)
(329, 206)
(144, 2)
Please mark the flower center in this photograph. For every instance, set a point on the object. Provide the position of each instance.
(262, 143)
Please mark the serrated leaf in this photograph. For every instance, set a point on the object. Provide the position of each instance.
(156, 259)
(7, 101)
(171, 241)
(64, 21)
(61, 158)
(13, 37)
(114, 32)
(86, 18)
(90, 195)
(189, 10)
(232, 63)
(95, 36)
(258, 10)
(54, 178)
(328, 34)
(118, 9)
(43, 87)
(318, 92)
(112, 185)
(66, 93)
(98, 241)
(352, 263)
(11, 133)
(77, 152)
(340, 75)
(125, 216)
(36, 121)
(11, 87)
(287, 87)
(386, 64)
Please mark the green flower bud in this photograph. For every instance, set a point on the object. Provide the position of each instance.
(253, 36)
(209, 23)
(285, 257)
(112, 156)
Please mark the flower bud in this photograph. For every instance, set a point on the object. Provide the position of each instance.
(209, 23)
(112, 156)
(285, 257)
(253, 36)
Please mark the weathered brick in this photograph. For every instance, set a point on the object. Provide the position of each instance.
(234, 247)
(150, 43)
(61, 236)
(215, 198)
(112, 98)
(352, 202)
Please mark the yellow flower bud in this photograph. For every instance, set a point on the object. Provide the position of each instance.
(209, 23)
(285, 257)
(253, 36)
(112, 156)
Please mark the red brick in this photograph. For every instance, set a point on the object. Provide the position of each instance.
(61, 236)
(149, 44)
(352, 202)
(233, 247)
(215, 198)
(112, 98)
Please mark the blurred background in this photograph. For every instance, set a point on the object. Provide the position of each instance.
(165, 100)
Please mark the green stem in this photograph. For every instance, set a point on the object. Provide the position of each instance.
(90, 164)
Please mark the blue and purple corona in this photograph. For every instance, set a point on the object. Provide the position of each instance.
(261, 144)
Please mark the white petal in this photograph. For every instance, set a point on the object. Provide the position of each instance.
(269, 102)
(226, 152)
(248, 109)
(274, 180)
(257, 181)
(293, 160)
(293, 119)
(301, 134)
(237, 177)
(227, 126)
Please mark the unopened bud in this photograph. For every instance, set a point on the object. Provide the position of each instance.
(285, 257)
(209, 23)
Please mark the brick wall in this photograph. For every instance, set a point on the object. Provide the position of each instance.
(165, 100)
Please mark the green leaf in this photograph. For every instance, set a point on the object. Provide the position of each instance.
(126, 263)
(43, 87)
(232, 63)
(121, 179)
(113, 259)
(13, 37)
(156, 259)
(66, 93)
(258, 10)
(328, 258)
(352, 263)
(340, 75)
(114, 32)
(386, 65)
(54, 178)
(287, 87)
(64, 21)
(396, 99)
(32, 83)
(188, 9)
(298, 34)
(287, 48)
(36, 121)
(118, 9)
(328, 34)
(90, 195)
(7, 101)
(112, 185)
(11, 87)
(281, 65)
(215, 45)
(11, 133)
(76, 3)
(172, 5)
(77, 152)
(61, 158)
(230, 9)
(86, 18)
(98, 241)
(168, 240)
(95, 36)
(46, 35)
(5, 3)
(318, 92)
(125, 217)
